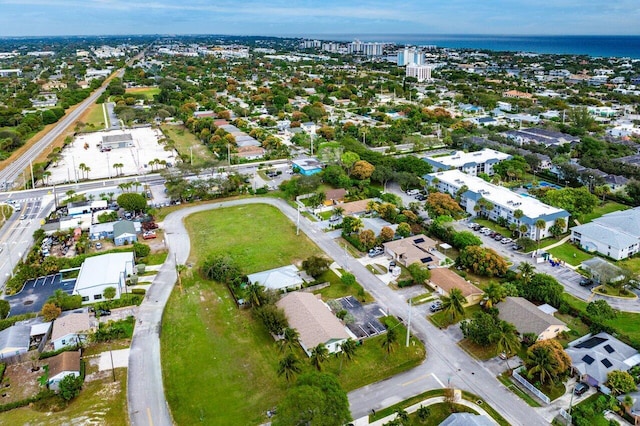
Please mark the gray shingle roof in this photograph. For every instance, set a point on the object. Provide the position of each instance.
(16, 336)
(526, 316)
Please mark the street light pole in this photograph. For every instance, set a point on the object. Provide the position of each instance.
(409, 324)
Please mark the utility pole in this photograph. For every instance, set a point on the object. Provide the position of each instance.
(409, 324)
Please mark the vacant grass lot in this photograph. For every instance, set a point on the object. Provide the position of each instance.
(608, 207)
(219, 362)
(570, 254)
(95, 118)
(258, 236)
(101, 401)
(148, 92)
(185, 141)
(338, 289)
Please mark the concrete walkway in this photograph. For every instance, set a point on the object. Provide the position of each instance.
(364, 421)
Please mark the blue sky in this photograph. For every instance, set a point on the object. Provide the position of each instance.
(303, 17)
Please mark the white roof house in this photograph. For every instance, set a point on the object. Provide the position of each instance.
(99, 272)
(505, 201)
(616, 235)
(596, 356)
(14, 340)
(470, 163)
(285, 278)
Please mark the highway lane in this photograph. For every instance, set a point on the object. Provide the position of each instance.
(445, 360)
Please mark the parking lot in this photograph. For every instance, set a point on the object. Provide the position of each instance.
(366, 317)
(35, 293)
(134, 160)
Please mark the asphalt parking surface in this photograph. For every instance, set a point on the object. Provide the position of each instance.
(35, 293)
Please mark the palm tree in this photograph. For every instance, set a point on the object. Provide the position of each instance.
(540, 362)
(337, 211)
(494, 293)
(318, 356)
(506, 338)
(523, 229)
(402, 416)
(289, 339)
(347, 350)
(118, 166)
(390, 339)
(423, 413)
(84, 168)
(527, 271)
(561, 223)
(255, 294)
(454, 303)
(111, 194)
(45, 177)
(540, 225)
(289, 366)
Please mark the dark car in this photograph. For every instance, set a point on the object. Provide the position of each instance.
(103, 312)
(436, 306)
(580, 388)
(586, 282)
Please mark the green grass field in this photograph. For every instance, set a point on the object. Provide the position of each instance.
(258, 236)
(148, 92)
(444, 320)
(101, 401)
(570, 254)
(608, 207)
(185, 140)
(95, 118)
(219, 362)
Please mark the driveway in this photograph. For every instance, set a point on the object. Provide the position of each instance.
(446, 362)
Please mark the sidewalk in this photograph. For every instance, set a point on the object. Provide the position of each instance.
(364, 421)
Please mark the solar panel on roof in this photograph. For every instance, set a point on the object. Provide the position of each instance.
(426, 259)
(606, 363)
(588, 359)
(591, 343)
(418, 240)
(609, 349)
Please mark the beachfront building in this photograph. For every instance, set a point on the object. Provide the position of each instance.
(471, 163)
(498, 201)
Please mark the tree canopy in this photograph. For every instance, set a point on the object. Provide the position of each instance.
(482, 261)
(132, 202)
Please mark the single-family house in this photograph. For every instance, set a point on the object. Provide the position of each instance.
(71, 329)
(285, 278)
(314, 321)
(63, 365)
(307, 166)
(376, 224)
(615, 235)
(100, 231)
(417, 249)
(124, 232)
(99, 272)
(14, 340)
(443, 280)
(632, 410)
(467, 419)
(334, 196)
(355, 208)
(593, 357)
(528, 318)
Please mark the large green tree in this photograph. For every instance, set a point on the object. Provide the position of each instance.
(453, 304)
(316, 399)
(482, 261)
(132, 202)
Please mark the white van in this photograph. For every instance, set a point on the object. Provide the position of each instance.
(413, 192)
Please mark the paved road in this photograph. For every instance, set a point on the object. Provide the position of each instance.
(445, 362)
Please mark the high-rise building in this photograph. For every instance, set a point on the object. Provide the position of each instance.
(410, 55)
(421, 72)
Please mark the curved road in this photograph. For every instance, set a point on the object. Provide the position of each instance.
(445, 361)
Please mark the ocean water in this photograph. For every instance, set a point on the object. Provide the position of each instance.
(599, 46)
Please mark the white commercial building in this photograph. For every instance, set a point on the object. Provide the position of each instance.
(100, 272)
(410, 55)
(504, 201)
(421, 72)
(471, 163)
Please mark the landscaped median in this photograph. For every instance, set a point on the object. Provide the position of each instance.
(220, 364)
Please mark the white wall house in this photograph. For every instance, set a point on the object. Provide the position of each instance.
(505, 202)
(615, 235)
(100, 272)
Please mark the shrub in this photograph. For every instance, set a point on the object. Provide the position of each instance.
(141, 250)
(141, 291)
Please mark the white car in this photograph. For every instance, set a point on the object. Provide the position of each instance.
(506, 240)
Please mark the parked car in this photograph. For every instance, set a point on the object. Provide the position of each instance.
(103, 312)
(506, 240)
(420, 197)
(413, 192)
(516, 246)
(374, 252)
(586, 282)
(498, 237)
(149, 235)
(98, 246)
(436, 306)
(580, 388)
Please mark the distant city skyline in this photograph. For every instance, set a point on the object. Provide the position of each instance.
(329, 17)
